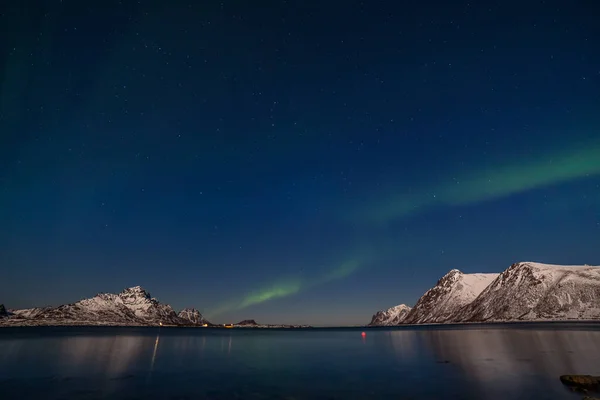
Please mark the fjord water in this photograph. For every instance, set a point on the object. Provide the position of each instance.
(474, 362)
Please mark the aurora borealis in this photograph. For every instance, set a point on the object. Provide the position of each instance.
(288, 287)
(297, 162)
(490, 182)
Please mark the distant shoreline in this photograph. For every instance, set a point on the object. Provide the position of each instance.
(492, 323)
(393, 327)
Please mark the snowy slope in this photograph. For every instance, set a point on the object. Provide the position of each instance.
(391, 316)
(451, 293)
(133, 306)
(146, 307)
(534, 291)
(192, 316)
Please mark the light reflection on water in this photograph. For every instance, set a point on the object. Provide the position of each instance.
(116, 363)
(515, 361)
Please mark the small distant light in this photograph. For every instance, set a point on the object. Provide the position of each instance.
(363, 334)
(160, 324)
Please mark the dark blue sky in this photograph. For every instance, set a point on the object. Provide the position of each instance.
(292, 161)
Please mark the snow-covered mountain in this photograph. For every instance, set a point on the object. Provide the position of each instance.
(133, 306)
(532, 291)
(192, 315)
(451, 293)
(526, 291)
(391, 316)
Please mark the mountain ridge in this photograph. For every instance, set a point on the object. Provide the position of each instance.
(538, 291)
(451, 292)
(525, 291)
(390, 317)
(132, 306)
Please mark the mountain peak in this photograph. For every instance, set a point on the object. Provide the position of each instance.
(137, 291)
(452, 292)
(531, 290)
(391, 316)
(189, 309)
(452, 274)
(133, 306)
(400, 307)
(191, 315)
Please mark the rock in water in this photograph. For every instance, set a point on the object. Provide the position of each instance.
(581, 382)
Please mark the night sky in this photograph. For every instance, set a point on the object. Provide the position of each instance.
(292, 161)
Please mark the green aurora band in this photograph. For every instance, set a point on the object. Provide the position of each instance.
(287, 287)
(280, 289)
(488, 184)
(483, 185)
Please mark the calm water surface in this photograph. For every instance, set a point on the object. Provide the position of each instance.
(485, 362)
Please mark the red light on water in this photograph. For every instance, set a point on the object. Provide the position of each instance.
(363, 334)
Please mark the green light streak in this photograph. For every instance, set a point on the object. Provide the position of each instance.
(489, 184)
(288, 287)
(282, 289)
(346, 269)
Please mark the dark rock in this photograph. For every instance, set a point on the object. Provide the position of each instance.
(581, 382)
(3, 312)
(247, 322)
